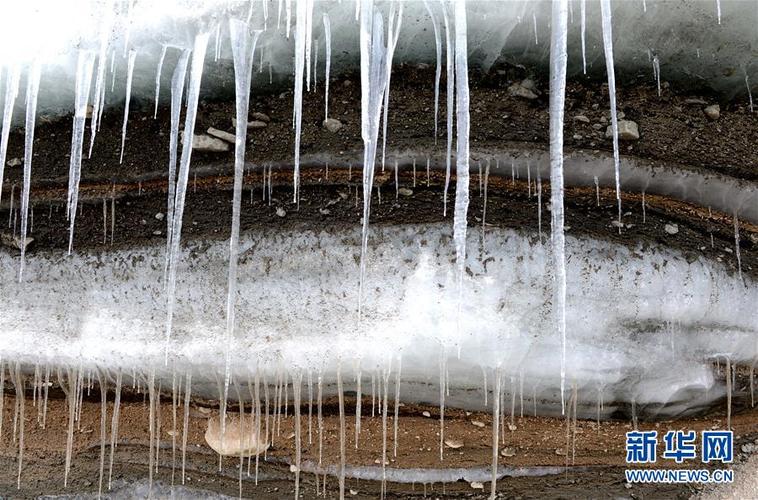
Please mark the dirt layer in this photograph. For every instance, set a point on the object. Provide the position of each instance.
(589, 458)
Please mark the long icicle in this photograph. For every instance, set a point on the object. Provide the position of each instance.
(605, 10)
(84, 68)
(177, 92)
(129, 78)
(558, 58)
(243, 47)
(328, 43)
(393, 31)
(32, 90)
(450, 95)
(11, 92)
(373, 80)
(300, 47)
(99, 97)
(158, 79)
(438, 70)
(196, 74)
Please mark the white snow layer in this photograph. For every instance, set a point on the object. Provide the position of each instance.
(642, 324)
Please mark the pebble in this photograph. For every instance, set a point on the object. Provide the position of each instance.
(156, 233)
(15, 162)
(159, 216)
(519, 90)
(508, 451)
(628, 131)
(559, 451)
(16, 242)
(426, 414)
(511, 427)
(220, 134)
(616, 223)
(671, 228)
(281, 212)
(477, 485)
(206, 143)
(405, 192)
(454, 443)
(263, 117)
(332, 124)
(238, 438)
(477, 423)
(581, 118)
(256, 124)
(353, 492)
(712, 112)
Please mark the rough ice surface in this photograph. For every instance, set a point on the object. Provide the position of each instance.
(679, 31)
(643, 324)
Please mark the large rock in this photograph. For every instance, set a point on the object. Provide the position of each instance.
(206, 143)
(240, 437)
(523, 91)
(712, 112)
(628, 131)
(223, 135)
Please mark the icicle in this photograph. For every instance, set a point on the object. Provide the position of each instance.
(32, 90)
(583, 7)
(71, 399)
(319, 417)
(597, 192)
(718, 10)
(397, 405)
(129, 76)
(174, 405)
(315, 67)
(103, 414)
(539, 206)
(300, 63)
(393, 31)
(243, 47)
(657, 72)
(358, 404)
(484, 204)
(749, 93)
(84, 67)
(438, 70)
(443, 359)
(450, 96)
(373, 81)
(495, 430)
(427, 172)
(2, 396)
(729, 369)
(198, 56)
(12, 80)
(341, 400)
(114, 424)
(644, 215)
(151, 425)
(534, 22)
(296, 382)
(158, 80)
(462, 147)
(185, 428)
(737, 245)
(558, 58)
(397, 182)
(308, 40)
(387, 371)
(605, 9)
(18, 384)
(328, 43)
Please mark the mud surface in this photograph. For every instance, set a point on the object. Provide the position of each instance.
(589, 458)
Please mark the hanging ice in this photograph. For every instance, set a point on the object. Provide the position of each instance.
(11, 92)
(158, 79)
(328, 43)
(393, 30)
(558, 58)
(129, 76)
(605, 10)
(438, 70)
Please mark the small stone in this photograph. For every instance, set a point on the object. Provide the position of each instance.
(15, 162)
(477, 423)
(332, 125)
(712, 112)
(238, 438)
(511, 427)
(560, 451)
(324, 211)
(280, 212)
(378, 461)
(454, 443)
(426, 414)
(477, 485)
(577, 137)
(671, 228)
(206, 143)
(628, 486)
(616, 223)
(628, 130)
(581, 118)
(508, 451)
(159, 216)
(405, 192)
(518, 90)
(293, 468)
(156, 233)
(171, 433)
(220, 134)
(263, 117)
(256, 124)
(353, 492)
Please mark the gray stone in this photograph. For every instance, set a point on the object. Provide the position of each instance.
(628, 131)
(15, 162)
(518, 90)
(712, 112)
(671, 228)
(332, 124)
(263, 117)
(220, 134)
(206, 143)
(256, 124)
(581, 118)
